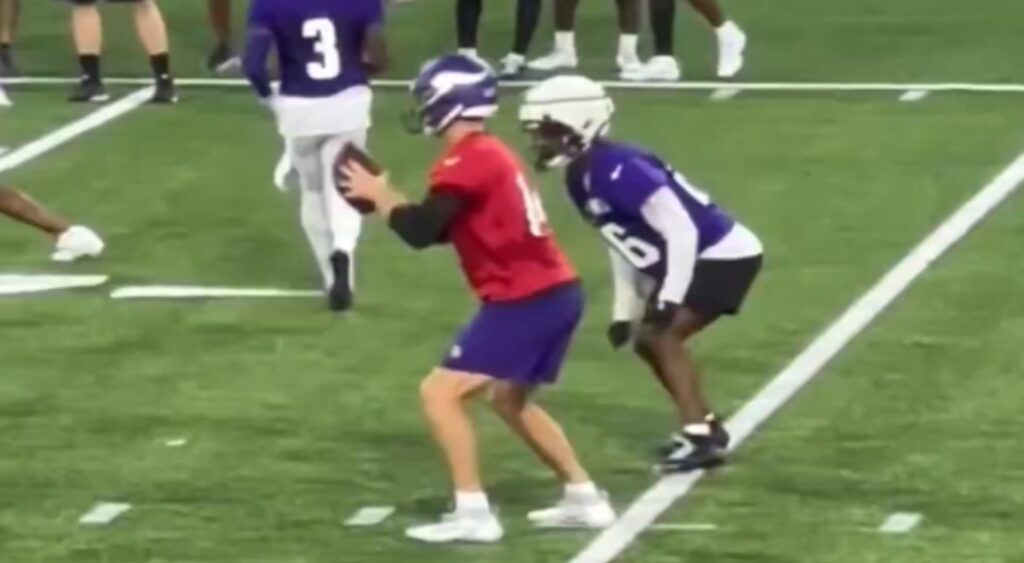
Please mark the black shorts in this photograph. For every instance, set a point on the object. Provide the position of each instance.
(720, 286)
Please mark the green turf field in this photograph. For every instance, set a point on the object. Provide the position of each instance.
(295, 418)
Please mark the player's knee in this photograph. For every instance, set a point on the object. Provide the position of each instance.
(507, 405)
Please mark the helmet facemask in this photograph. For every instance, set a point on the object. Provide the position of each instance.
(554, 144)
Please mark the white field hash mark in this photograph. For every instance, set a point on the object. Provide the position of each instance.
(62, 135)
(103, 513)
(900, 523)
(370, 516)
(809, 363)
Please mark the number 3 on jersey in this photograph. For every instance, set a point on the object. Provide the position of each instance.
(536, 218)
(325, 37)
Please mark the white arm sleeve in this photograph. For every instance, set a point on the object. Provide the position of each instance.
(628, 303)
(665, 213)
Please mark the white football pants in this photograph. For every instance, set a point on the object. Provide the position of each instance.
(331, 224)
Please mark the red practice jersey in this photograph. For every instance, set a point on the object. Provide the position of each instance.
(501, 235)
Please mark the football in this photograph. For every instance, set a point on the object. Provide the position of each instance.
(350, 153)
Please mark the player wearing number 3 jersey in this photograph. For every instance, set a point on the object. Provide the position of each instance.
(669, 246)
(326, 52)
(531, 302)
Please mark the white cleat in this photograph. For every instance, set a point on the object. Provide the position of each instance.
(512, 66)
(77, 242)
(661, 68)
(468, 527)
(555, 60)
(4, 100)
(628, 64)
(732, 42)
(574, 513)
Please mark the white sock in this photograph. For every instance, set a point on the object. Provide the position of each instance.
(467, 52)
(565, 41)
(471, 501)
(627, 45)
(581, 491)
(515, 58)
(727, 30)
(318, 233)
(698, 429)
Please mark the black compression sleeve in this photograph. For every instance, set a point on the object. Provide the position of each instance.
(423, 224)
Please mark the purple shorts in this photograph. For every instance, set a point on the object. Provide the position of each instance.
(523, 341)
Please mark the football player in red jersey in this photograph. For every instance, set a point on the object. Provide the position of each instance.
(481, 202)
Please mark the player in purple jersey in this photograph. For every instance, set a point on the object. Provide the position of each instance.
(326, 51)
(669, 247)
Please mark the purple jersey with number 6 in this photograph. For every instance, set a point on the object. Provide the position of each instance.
(319, 42)
(610, 185)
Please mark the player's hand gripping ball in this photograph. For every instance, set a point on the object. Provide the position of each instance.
(351, 153)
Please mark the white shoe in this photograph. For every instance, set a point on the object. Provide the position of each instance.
(731, 44)
(480, 527)
(76, 243)
(4, 100)
(574, 513)
(661, 68)
(512, 66)
(628, 63)
(555, 60)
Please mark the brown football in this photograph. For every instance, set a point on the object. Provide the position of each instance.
(350, 153)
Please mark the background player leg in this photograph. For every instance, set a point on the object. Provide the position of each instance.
(73, 241)
(305, 157)
(222, 59)
(564, 53)
(467, 23)
(582, 505)
(627, 59)
(443, 395)
(344, 222)
(663, 65)
(527, 18)
(87, 32)
(731, 39)
(9, 12)
(702, 439)
(149, 24)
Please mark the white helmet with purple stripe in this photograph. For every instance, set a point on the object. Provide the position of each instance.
(450, 88)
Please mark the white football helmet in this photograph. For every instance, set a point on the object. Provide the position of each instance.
(564, 115)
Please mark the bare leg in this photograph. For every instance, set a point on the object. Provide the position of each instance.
(565, 14)
(149, 24)
(9, 12)
(87, 30)
(443, 394)
(629, 16)
(220, 20)
(20, 207)
(710, 10)
(665, 351)
(541, 432)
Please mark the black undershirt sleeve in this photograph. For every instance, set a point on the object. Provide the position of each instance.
(424, 224)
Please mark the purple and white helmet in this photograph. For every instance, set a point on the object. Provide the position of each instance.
(449, 88)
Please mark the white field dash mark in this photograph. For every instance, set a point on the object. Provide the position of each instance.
(911, 96)
(900, 523)
(76, 128)
(200, 292)
(809, 363)
(175, 442)
(724, 94)
(103, 513)
(370, 516)
(686, 527)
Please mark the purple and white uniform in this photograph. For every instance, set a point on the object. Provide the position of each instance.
(323, 102)
(659, 227)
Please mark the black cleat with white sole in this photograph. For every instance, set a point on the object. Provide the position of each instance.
(339, 297)
(719, 437)
(164, 92)
(695, 452)
(89, 91)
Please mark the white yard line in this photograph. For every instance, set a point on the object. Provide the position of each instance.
(809, 363)
(62, 135)
(201, 292)
(621, 85)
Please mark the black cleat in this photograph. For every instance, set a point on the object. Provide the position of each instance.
(7, 66)
(164, 92)
(719, 437)
(223, 60)
(339, 297)
(695, 452)
(89, 91)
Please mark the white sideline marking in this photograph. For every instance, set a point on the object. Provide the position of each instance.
(694, 527)
(622, 85)
(900, 523)
(198, 292)
(3, 150)
(805, 366)
(914, 95)
(13, 284)
(103, 513)
(58, 137)
(175, 442)
(724, 94)
(370, 516)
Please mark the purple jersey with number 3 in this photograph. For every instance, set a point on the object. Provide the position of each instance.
(610, 185)
(319, 42)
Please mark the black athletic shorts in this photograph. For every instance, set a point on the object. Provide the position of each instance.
(720, 286)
